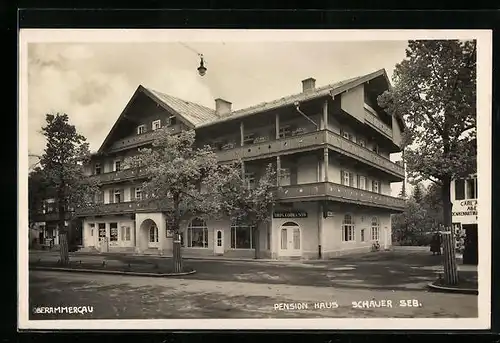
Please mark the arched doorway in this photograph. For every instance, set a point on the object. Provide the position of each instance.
(290, 240)
(149, 234)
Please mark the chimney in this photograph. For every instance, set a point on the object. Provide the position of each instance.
(222, 107)
(308, 84)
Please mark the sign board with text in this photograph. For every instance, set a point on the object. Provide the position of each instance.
(290, 214)
(464, 211)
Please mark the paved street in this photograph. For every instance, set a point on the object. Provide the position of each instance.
(250, 289)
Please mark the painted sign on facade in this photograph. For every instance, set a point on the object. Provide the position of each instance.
(465, 211)
(290, 214)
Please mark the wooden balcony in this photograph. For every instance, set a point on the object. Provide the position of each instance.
(311, 141)
(138, 140)
(48, 217)
(305, 192)
(119, 208)
(335, 192)
(119, 176)
(351, 149)
(373, 121)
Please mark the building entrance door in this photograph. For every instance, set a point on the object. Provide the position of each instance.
(153, 236)
(219, 242)
(290, 240)
(470, 255)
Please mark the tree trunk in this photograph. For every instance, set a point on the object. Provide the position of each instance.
(176, 245)
(450, 262)
(63, 236)
(256, 241)
(450, 259)
(176, 254)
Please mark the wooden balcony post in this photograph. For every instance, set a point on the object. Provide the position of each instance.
(278, 170)
(277, 125)
(325, 164)
(242, 133)
(324, 122)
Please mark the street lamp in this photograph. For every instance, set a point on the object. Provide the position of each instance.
(201, 69)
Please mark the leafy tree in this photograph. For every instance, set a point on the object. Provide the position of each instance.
(435, 93)
(183, 180)
(249, 204)
(417, 193)
(62, 164)
(38, 190)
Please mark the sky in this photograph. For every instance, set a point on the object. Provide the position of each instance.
(92, 82)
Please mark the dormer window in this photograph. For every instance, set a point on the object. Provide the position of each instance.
(156, 124)
(141, 129)
(172, 120)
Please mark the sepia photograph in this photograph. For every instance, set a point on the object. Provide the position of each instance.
(235, 179)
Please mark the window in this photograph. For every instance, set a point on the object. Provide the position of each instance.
(362, 142)
(284, 131)
(118, 196)
(138, 193)
(375, 186)
(459, 189)
(117, 166)
(471, 189)
(156, 124)
(113, 232)
(125, 233)
(345, 134)
(362, 182)
(153, 233)
(285, 177)
(197, 234)
(172, 120)
(141, 129)
(241, 235)
(248, 138)
(250, 179)
(347, 229)
(284, 240)
(97, 168)
(347, 178)
(362, 232)
(102, 230)
(375, 148)
(375, 229)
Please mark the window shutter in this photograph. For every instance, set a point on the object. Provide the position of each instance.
(358, 181)
(111, 196)
(132, 193)
(342, 182)
(351, 179)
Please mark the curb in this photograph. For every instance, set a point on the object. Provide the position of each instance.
(115, 272)
(453, 290)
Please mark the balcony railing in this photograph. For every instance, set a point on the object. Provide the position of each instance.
(347, 147)
(138, 140)
(120, 208)
(308, 140)
(311, 141)
(341, 193)
(48, 217)
(313, 191)
(122, 175)
(302, 142)
(372, 120)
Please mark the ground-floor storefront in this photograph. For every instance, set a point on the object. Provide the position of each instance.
(307, 230)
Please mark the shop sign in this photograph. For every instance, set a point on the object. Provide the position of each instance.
(290, 214)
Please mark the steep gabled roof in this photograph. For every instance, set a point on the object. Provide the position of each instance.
(194, 113)
(332, 89)
(200, 116)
